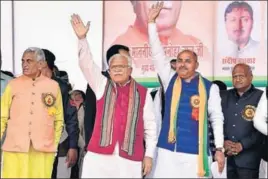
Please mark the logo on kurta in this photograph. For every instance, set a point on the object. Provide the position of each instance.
(48, 99)
(248, 112)
(195, 101)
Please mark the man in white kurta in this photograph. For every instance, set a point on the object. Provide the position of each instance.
(158, 115)
(260, 123)
(172, 161)
(114, 162)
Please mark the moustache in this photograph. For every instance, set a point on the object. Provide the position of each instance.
(239, 31)
(183, 68)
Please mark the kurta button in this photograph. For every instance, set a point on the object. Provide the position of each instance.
(235, 114)
(233, 125)
(236, 103)
(233, 137)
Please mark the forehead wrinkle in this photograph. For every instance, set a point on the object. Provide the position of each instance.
(190, 54)
(246, 68)
(119, 60)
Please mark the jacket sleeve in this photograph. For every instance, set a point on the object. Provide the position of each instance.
(70, 119)
(90, 113)
(58, 124)
(6, 100)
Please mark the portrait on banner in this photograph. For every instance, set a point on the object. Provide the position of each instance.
(125, 22)
(239, 37)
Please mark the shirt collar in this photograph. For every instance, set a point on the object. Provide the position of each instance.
(196, 77)
(247, 45)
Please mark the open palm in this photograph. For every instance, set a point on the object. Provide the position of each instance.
(155, 10)
(79, 28)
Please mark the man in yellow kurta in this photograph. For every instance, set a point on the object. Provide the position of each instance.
(32, 116)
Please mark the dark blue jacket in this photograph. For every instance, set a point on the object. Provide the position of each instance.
(238, 127)
(70, 114)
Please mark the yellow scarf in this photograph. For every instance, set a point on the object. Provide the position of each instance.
(203, 169)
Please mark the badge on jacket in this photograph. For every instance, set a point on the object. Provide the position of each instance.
(248, 112)
(49, 100)
(195, 101)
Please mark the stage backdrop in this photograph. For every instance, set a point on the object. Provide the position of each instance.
(221, 34)
(46, 24)
(208, 27)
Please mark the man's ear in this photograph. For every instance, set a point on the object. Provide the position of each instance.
(197, 65)
(42, 64)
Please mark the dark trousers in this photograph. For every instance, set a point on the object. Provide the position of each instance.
(74, 172)
(235, 172)
(54, 171)
(75, 168)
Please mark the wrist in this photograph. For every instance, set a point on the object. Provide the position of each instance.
(82, 37)
(151, 21)
(147, 157)
(220, 149)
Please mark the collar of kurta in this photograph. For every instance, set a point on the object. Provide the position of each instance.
(40, 77)
(128, 82)
(246, 93)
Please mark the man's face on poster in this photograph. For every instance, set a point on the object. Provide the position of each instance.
(238, 25)
(167, 18)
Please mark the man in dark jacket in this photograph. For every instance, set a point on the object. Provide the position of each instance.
(242, 141)
(67, 150)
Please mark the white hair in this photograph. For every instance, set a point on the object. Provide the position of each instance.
(129, 60)
(39, 53)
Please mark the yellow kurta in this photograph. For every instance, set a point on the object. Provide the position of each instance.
(33, 164)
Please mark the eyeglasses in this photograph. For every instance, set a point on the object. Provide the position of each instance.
(118, 67)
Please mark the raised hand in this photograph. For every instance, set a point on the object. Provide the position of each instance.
(154, 11)
(79, 28)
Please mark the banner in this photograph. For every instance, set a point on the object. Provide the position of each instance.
(196, 25)
(181, 25)
(241, 37)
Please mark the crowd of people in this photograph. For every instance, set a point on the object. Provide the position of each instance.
(119, 128)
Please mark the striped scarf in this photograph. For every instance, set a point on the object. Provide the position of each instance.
(108, 116)
(203, 167)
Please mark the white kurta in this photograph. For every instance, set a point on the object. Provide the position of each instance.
(107, 166)
(260, 123)
(175, 164)
(260, 117)
(250, 50)
(158, 115)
